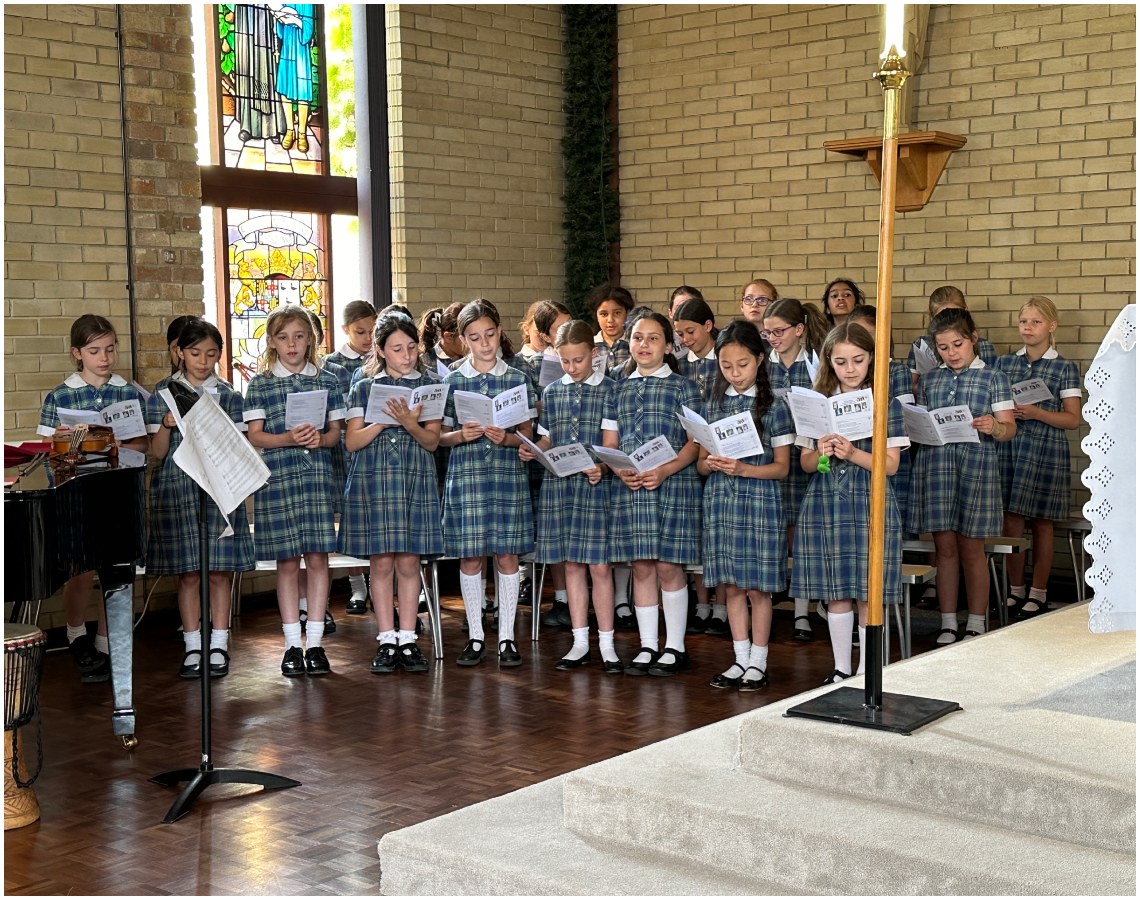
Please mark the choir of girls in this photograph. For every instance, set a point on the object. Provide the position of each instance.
(622, 386)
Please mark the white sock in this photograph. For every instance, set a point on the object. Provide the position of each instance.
(646, 628)
(193, 640)
(740, 651)
(976, 623)
(801, 607)
(303, 603)
(507, 593)
(1017, 590)
(950, 620)
(470, 586)
(758, 658)
(386, 637)
(359, 588)
(862, 650)
(1038, 600)
(560, 597)
(704, 610)
(606, 646)
(75, 631)
(675, 606)
(219, 640)
(292, 635)
(101, 643)
(839, 627)
(314, 631)
(621, 584)
(720, 611)
(406, 637)
(581, 644)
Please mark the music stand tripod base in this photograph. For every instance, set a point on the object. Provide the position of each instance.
(899, 713)
(201, 778)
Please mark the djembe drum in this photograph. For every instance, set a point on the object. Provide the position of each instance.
(23, 664)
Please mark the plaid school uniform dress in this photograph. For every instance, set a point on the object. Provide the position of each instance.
(1035, 465)
(486, 501)
(293, 512)
(391, 504)
(745, 540)
(617, 355)
(339, 453)
(530, 364)
(958, 487)
(829, 557)
(172, 535)
(701, 370)
(664, 524)
(801, 373)
(900, 388)
(75, 393)
(573, 515)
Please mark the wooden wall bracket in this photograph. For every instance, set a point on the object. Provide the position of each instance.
(922, 157)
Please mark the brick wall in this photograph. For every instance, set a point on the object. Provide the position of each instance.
(723, 115)
(476, 118)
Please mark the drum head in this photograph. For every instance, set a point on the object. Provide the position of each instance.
(17, 633)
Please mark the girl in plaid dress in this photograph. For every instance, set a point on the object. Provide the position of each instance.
(172, 542)
(831, 559)
(573, 512)
(486, 501)
(391, 508)
(92, 386)
(922, 357)
(956, 489)
(610, 305)
(655, 515)
(1035, 464)
(294, 510)
(796, 332)
(745, 543)
(754, 300)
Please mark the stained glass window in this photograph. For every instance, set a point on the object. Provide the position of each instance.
(275, 259)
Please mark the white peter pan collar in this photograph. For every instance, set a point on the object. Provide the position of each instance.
(350, 352)
(280, 371)
(663, 372)
(210, 384)
(76, 380)
(594, 380)
(414, 375)
(692, 357)
(730, 391)
(978, 363)
(1051, 353)
(468, 370)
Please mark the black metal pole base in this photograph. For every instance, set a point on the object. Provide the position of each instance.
(899, 713)
(200, 779)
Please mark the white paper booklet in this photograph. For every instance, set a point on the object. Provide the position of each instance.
(648, 456)
(125, 418)
(601, 360)
(502, 411)
(851, 414)
(216, 455)
(733, 437)
(550, 370)
(306, 408)
(925, 358)
(938, 427)
(433, 398)
(569, 459)
(1033, 390)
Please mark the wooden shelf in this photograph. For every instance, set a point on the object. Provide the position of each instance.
(922, 157)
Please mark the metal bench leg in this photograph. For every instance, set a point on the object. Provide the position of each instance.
(1078, 575)
(537, 577)
(434, 610)
(1003, 612)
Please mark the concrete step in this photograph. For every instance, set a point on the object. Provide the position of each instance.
(1022, 754)
(689, 798)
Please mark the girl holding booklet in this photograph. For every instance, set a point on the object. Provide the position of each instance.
(294, 510)
(655, 514)
(172, 541)
(1035, 464)
(92, 386)
(745, 542)
(795, 331)
(391, 508)
(573, 512)
(956, 488)
(830, 556)
(486, 501)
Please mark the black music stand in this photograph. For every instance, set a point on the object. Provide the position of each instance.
(205, 775)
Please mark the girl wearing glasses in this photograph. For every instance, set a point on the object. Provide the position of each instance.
(754, 300)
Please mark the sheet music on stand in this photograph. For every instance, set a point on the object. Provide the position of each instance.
(216, 455)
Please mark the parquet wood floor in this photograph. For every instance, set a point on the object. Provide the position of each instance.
(373, 753)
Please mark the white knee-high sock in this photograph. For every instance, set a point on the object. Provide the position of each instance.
(507, 593)
(646, 628)
(470, 586)
(839, 626)
(801, 607)
(675, 605)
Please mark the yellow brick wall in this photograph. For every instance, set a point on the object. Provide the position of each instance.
(723, 111)
(475, 95)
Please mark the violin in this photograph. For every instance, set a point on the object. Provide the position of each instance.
(81, 440)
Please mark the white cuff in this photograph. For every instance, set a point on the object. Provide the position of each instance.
(253, 415)
(1002, 406)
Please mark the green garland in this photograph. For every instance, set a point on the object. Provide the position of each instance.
(590, 204)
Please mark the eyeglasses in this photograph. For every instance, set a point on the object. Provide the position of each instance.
(775, 332)
(754, 301)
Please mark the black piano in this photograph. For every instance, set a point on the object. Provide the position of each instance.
(60, 521)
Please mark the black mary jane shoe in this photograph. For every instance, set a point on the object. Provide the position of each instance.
(717, 626)
(613, 666)
(565, 665)
(330, 623)
(293, 663)
(835, 673)
(222, 669)
(728, 681)
(472, 653)
(626, 621)
(509, 655)
(357, 606)
(191, 665)
(748, 685)
(641, 668)
(385, 661)
(412, 658)
(802, 633)
(679, 663)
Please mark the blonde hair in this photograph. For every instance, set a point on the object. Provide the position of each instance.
(1047, 308)
(277, 320)
(947, 295)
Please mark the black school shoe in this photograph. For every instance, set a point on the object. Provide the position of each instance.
(191, 665)
(717, 626)
(677, 662)
(472, 654)
(316, 662)
(509, 655)
(293, 663)
(385, 660)
(84, 653)
(641, 668)
(411, 659)
(624, 621)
